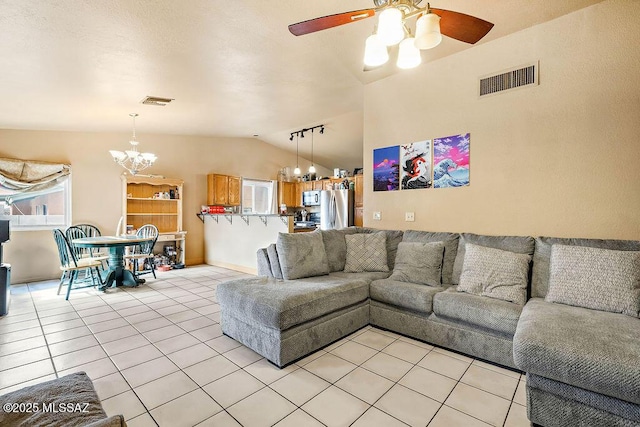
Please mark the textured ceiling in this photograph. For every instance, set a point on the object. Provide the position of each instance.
(232, 67)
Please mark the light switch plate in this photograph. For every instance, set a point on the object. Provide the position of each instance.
(409, 216)
(377, 216)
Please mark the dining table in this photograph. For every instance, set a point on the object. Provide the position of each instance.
(117, 275)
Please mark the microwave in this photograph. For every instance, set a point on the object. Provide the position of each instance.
(311, 198)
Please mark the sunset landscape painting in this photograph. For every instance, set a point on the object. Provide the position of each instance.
(386, 166)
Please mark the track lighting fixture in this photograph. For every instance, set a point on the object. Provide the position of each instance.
(300, 134)
(296, 171)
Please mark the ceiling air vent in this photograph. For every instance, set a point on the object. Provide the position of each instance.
(510, 79)
(156, 100)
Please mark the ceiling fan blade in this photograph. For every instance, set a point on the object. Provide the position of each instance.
(460, 26)
(330, 21)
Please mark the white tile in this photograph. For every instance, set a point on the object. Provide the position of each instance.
(144, 316)
(299, 418)
(310, 358)
(242, 356)
(374, 339)
(365, 385)
(192, 355)
(408, 406)
(19, 326)
(161, 334)
(449, 417)
(116, 334)
(210, 370)
(417, 343)
(150, 325)
(176, 343)
(67, 334)
(233, 388)
(335, 407)
(127, 404)
(171, 309)
(354, 352)
(25, 373)
(143, 420)
(300, 386)
(388, 366)
(521, 394)
(429, 383)
(405, 351)
(453, 354)
(18, 359)
(491, 381)
(207, 333)
(165, 389)
(498, 369)
(445, 365)
(267, 372)
(20, 335)
(262, 409)
(106, 326)
(194, 323)
(136, 356)
(330, 367)
(479, 404)
(72, 345)
(33, 381)
(187, 410)
(51, 319)
(96, 369)
(101, 318)
(125, 344)
(80, 357)
(149, 371)
(221, 419)
(517, 417)
(22, 345)
(110, 385)
(376, 418)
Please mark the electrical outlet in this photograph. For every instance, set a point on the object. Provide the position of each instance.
(409, 216)
(377, 216)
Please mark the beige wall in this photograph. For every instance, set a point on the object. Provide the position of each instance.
(560, 159)
(96, 185)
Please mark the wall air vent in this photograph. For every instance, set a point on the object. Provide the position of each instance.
(156, 100)
(510, 79)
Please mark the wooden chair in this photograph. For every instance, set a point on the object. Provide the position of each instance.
(78, 232)
(71, 266)
(144, 251)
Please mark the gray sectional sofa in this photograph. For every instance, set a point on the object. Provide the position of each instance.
(524, 303)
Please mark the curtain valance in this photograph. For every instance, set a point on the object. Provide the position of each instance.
(28, 176)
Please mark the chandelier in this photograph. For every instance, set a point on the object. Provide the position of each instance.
(132, 160)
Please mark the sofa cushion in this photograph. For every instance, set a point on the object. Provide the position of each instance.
(336, 247)
(601, 279)
(263, 264)
(493, 314)
(274, 262)
(284, 304)
(495, 273)
(367, 276)
(301, 255)
(394, 237)
(450, 241)
(418, 262)
(591, 349)
(517, 244)
(410, 296)
(75, 388)
(366, 252)
(542, 257)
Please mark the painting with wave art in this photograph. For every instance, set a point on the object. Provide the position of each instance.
(451, 161)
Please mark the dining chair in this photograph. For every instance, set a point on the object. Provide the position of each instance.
(89, 230)
(78, 232)
(72, 266)
(144, 251)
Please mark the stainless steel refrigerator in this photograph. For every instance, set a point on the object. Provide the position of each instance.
(336, 209)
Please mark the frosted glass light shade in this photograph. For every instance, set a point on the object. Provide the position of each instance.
(390, 28)
(296, 171)
(150, 157)
(409, 55)
(132, 154)
(375, 52)
(117, 155)
(312, 169)
(428, 31)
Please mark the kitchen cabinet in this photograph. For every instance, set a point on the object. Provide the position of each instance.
(318, 185)
(298, 196)
(358, 219)
(287, 193)
(223, 190)
(145, 201)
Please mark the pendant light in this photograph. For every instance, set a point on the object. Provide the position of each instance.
(312, 168)
(296, 171)
(409, 54)
(375, 52)
(390, 27)
(428, 31)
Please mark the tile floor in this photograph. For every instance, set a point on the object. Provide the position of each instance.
(157, 355)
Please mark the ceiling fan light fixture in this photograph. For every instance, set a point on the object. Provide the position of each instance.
(390, 26)
(375, 52)
(408, 54)
(428, 33)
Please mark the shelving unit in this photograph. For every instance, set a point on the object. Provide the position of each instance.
(140, 207)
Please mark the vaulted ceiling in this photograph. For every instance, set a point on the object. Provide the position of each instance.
(233, 68)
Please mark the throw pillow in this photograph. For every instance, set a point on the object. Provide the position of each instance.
(419, 263)
(495, 273)
(366, 252)
(301, 255)
(600, 279)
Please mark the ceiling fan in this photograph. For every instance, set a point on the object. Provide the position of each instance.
(392, 29)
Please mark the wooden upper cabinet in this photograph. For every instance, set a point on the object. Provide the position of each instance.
(300, 187)
(235, 188)
(224, 190)
(307, 185)
(286, 193)
(359, 190)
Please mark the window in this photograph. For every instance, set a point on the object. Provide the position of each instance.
(257, 196)
(37, 210)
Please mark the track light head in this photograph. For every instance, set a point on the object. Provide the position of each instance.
(321, 129)
(301, 134)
